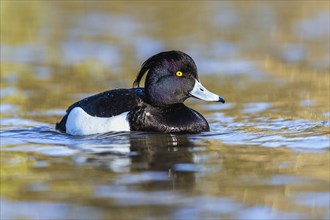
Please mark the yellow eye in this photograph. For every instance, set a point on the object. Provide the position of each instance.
(179, 73)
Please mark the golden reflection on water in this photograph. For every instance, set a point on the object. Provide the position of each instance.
(40, 77)
(251, 175)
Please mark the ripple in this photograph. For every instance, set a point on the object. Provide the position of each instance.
(319, 199)
(252, 108)
(271, 132)
(149, 176)
(50, 210)
(20, 122)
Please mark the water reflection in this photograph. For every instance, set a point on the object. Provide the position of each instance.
(174, 172)
(159, 157)
(170, 153)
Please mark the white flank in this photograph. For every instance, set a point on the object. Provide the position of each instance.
(81, 123)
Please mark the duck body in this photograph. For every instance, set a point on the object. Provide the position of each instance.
(171, 79)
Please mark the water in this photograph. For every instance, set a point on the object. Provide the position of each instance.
(266, 156)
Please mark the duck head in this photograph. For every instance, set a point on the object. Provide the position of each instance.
(172, 78)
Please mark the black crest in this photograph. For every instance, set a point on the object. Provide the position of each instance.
(158, 59)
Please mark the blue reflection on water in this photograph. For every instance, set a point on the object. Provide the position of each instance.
(314, 199)
(50, 210)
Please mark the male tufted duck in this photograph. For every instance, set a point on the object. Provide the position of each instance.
(171, 79)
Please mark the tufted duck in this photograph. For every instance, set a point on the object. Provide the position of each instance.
(171, 79)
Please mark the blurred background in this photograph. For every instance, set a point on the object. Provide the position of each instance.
(267, 155)
(63, 47)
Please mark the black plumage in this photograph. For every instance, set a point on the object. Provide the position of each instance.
(159, 105)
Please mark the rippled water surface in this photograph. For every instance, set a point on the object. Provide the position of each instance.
(266, 156)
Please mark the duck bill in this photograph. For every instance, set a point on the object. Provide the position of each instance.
(200, 92)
